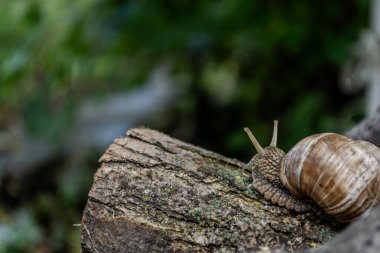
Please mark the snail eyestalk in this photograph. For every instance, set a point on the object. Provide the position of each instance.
(274, 136)
(255, 143)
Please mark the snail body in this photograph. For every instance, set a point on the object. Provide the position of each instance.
(338, 174)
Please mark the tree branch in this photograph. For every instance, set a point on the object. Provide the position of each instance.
(367, 130)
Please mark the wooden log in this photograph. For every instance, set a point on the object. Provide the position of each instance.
(154, 193)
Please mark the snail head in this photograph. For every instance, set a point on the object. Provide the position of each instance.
(265, 167)
(266, 163)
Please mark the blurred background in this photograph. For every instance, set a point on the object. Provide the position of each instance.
(74, 75)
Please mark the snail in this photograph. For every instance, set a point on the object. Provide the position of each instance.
(338, 174)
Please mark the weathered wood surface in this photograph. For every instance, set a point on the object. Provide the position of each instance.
(154, 193)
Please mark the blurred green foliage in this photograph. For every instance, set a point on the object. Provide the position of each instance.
(252, 60)
(246, 63)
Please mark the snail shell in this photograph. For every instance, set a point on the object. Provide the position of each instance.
(340, 174)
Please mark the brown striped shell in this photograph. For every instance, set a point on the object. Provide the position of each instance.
(340, 174)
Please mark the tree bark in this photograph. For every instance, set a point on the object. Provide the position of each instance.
(154, 193)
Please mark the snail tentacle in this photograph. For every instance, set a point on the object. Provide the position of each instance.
(255, 143)
(273, 143)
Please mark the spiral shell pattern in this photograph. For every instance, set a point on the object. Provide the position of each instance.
(340, 174)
